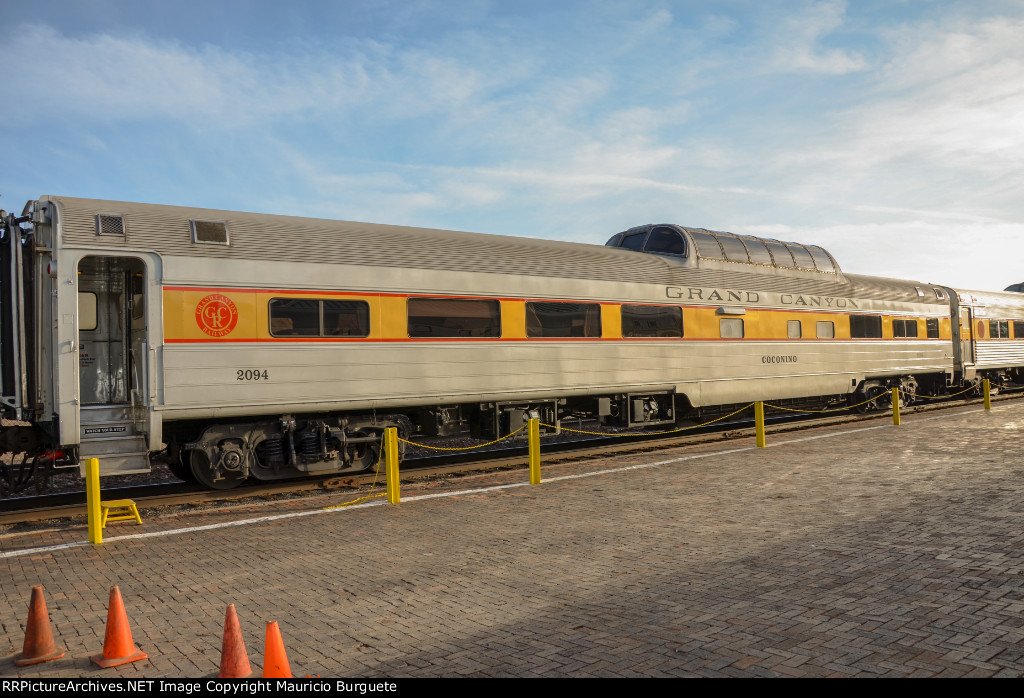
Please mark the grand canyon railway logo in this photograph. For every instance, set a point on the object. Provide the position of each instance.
(216, 315)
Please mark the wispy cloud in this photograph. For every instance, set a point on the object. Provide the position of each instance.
(938, 127)
(953, 94)
(116, 79)
(109, 79)
(635, 34)
(798, 46)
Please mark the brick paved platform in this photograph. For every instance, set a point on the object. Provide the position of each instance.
(867, 550)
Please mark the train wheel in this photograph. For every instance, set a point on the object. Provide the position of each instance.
(907, 395)
(368, 457)
(875, 398)
(365, 456)
(208, 475)
(883, 399)
(17, 475)
(182, 470)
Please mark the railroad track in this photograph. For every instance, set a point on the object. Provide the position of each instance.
(72, 504)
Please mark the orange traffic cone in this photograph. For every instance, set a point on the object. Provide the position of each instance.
(234, 662)
(118, 646)
(275, 661)
(39, 645)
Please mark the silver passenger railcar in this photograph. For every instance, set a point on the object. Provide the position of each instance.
(243, 345)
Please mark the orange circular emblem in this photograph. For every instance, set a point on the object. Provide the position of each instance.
(216, 315)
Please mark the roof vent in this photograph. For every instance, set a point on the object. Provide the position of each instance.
(110, 225)
(213, 232)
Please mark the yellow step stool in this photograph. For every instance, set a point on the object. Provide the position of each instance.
(118, 510)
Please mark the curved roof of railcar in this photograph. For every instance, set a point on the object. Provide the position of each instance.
(260, 236)
(995, 301)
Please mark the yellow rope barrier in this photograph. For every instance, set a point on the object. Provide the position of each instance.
(358, 500)
(941, 397)
(836, 409)
(880, 395)
(601, 433)
(464, 448)
(653, 433)
(793, 409)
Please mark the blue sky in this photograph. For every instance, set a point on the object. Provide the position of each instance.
(891, 133)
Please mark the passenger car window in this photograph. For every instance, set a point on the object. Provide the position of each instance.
(781, 254)
(999, 329)
(821, 260)
(904, 328)
(346, 318)
(734, 249)
(793, 329)
(665, 241)
(802, 257)
(865, 326)
(311, 317)
(295, 317)
(454, 317)
(556, 319)
(634, 242)
(707, 245)
(86, 311)
(826, 329)
(932, 327)
(758, 251)
(652, 321)
(730, 328)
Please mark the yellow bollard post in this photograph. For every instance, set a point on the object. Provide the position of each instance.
(391, 460)
(92, 500)
(896, 406)
(986, 387)
(533, 430)
(759, 424)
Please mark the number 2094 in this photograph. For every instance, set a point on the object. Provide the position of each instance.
(252, 374)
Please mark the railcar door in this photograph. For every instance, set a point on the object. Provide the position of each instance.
(967, 337)
(14, 364)
(113, 363)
